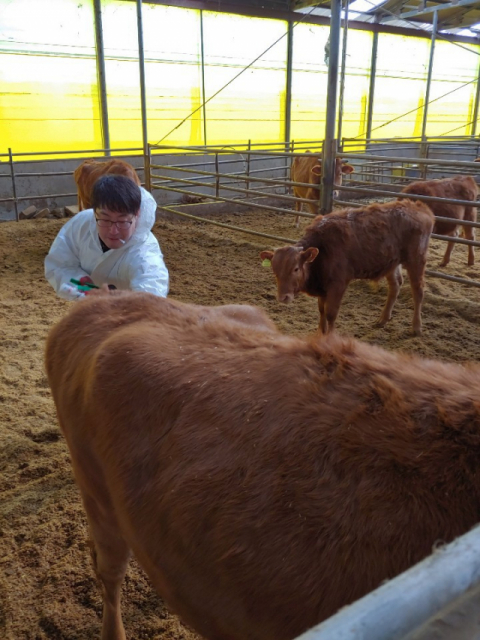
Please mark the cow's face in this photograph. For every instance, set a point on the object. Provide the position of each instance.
(291, 266)
(340, 168)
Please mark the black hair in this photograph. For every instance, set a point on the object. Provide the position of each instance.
(117, 193)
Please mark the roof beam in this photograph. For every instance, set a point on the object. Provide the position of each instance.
(416, 13)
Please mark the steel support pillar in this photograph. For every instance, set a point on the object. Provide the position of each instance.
(143, 95)
(101, 76)
(342, 73)
(288, 88)
(429, 76)
(371, 90)
(330, 142)
(204, 106)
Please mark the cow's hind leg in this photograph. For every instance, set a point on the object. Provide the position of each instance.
(323, 319)
(298, 207)
(448, 250)
(331, 307)
(110, 556)
(110, 553)
(395, 281)
(416, 273)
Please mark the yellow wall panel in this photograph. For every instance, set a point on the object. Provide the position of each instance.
(48, 82)
(309, 82)
(455, 70)
(251, 106)
(402, 64)
(172, 73)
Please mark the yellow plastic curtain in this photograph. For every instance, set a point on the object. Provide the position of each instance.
(172, 73)
(402, 64)
(49, 98)
(455, 71)
(48, 77)
(253, 105)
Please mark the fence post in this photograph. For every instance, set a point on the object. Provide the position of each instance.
(249, 147)
(424, 148)
(330, 142)
(328, 175)
(289, 166)
(217, 177)
(147, 168)
(14, 187)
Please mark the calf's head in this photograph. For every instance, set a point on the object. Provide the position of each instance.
(340, 168)
(291, 266)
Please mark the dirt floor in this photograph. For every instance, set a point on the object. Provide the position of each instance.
(47, 587)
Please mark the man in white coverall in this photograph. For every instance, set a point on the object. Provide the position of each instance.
(111, 244)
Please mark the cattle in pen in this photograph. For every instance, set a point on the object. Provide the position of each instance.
(262, 481)
(366, 243)
(308, 169)
(86, 175)
(459, 188)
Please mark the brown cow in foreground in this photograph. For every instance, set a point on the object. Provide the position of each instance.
(263, 481)
(308, 169)
(90, 171)
(458, 188)
(366, 243)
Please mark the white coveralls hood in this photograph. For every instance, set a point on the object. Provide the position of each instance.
(138, 265)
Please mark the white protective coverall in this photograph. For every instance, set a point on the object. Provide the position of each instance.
(138, 265)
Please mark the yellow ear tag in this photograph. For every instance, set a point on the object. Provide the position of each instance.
(266, 263)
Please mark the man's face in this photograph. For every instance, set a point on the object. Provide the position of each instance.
(113, 234)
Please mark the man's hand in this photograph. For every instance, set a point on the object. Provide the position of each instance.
(96, 292)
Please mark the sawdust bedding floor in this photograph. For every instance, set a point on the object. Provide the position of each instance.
(47, 587)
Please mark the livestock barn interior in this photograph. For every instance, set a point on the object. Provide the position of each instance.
(211, 101)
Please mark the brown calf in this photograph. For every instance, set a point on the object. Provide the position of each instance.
(308, 169)
(459, 188)
(348, 244)
(263, 481)
(90, 171)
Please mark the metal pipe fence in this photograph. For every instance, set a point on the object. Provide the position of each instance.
(258, 174)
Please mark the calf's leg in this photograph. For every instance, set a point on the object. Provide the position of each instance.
(298, 207)
(395, 281)
(416, 273)
(449, 249)
(331, 307)
(323, 320)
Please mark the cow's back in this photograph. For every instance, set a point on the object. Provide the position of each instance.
(262, 480)
(369, 242)
(458, 188)
(86, 175)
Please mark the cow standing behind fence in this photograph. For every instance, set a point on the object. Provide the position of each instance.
(263, 481)
(458, 188)
(367, 243)
(90, 171)
(308, 169)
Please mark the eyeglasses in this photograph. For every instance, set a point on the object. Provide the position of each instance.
(120, 224)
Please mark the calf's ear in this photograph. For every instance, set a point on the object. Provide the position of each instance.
(347, 168)
(266, 255)
(316, 169)
(309, 254)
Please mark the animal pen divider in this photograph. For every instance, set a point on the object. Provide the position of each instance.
(211, 174)
(380, 176)
(22, 166)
